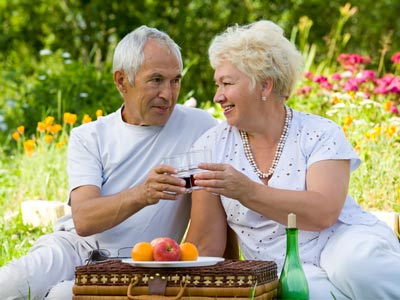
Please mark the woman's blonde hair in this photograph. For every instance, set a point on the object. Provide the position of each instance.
(261, 51)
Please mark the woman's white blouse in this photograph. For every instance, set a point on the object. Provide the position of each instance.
(311, 139)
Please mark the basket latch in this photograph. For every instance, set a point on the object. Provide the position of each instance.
(157, 284)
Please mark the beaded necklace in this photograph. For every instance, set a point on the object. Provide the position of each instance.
(279, 148)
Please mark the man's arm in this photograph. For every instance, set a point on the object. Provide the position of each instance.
(93, 213)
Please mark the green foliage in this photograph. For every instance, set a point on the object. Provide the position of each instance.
(51, 85)
(89, 30)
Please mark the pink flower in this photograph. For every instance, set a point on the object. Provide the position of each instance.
(394, 110)
(353, 61)
(396, 58)
(326, 85)
(336, 77)
(367, 74)
(303, 90)
(308, 75)
(320, 79)
(394, 85)
(380, 89)
(351, 85)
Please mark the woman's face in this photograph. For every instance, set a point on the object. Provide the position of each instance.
(235, 94)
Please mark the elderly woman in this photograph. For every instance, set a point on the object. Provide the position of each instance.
(270, 160)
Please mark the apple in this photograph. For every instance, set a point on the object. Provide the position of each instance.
(166, 249)
(156, 240)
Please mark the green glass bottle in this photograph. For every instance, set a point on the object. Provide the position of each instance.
(292, 282)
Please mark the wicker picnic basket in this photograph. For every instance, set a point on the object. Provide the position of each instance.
(229, 279)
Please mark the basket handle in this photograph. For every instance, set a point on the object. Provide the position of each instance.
(135, 281)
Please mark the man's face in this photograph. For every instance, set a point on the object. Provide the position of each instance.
(152, 98)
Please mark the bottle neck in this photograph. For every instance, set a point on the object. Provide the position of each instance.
(291, 241)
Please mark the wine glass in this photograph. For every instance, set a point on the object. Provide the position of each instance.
(195, 157)
(181, 163)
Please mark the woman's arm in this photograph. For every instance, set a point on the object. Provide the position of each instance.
(317, 208)
(208, 226)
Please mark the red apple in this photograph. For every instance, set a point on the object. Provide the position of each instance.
(155, 241)
(166, 249)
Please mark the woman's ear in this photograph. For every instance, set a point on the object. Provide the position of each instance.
(266, 89)
(267, 86)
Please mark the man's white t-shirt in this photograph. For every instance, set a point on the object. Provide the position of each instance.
(114, 156)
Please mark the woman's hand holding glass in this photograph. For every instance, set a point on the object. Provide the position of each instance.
(223, 179)
(187, 165)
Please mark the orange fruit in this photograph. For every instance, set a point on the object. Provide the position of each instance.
(189, 251)
(142, 251)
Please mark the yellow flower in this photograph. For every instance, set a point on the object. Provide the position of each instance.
(86, 119)
(357, 148)
(352, 94)
(387, 105)
(375, 133)
(16, 136)
(48, 138)
(99, 113)
(367, 135)
(54, 128)
(21, 129)
(29, 146)
(348, 120)
(70, 118)
(41, 126)
(390, 130)
(48, 121)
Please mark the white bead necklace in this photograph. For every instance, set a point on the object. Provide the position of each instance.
(279, 148)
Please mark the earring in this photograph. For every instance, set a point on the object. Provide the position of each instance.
(264, 98)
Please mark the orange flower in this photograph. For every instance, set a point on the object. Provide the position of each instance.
(41, 126)
(357, 148)
(86, 119)
(54, 128)
(59, 145)
(48, 138)
(387, 105)
(70, 118)
(99, 113)
(336, 100)
(29, 146)
(348, 120)
(16, 136)
(21, 129)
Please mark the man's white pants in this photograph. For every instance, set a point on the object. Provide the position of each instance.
(358, 262)
(49, 262)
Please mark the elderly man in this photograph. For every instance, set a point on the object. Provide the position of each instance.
(119, 192)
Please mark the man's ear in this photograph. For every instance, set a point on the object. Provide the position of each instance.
(119, 79)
